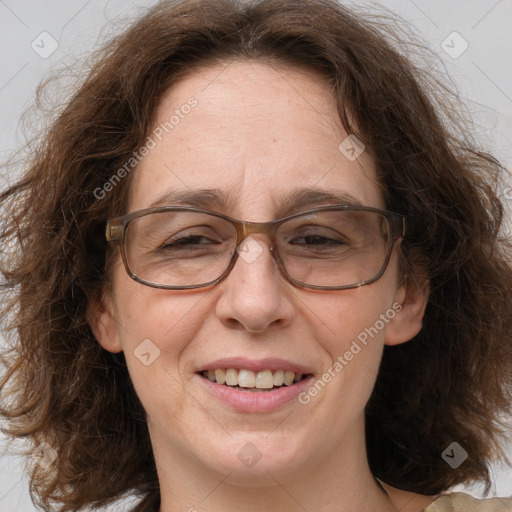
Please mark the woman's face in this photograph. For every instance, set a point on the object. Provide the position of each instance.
(257, 135)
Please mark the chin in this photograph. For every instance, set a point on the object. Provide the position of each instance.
(255, 462)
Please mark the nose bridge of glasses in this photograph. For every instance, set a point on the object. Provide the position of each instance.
(245, 229)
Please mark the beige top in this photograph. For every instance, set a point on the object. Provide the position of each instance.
(462, 502)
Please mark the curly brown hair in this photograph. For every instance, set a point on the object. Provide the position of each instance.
(452, 382)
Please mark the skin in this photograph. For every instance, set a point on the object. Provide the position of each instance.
(259, 131)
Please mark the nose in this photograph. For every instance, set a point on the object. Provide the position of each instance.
(255, 296)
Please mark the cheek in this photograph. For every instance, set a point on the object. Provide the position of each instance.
(361, 315)
(155, 327)
(155, 334)
(151, 313)
(351, 328)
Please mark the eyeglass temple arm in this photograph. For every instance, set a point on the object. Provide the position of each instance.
(113, 231)
(403, 227)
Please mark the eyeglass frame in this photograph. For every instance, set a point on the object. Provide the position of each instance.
(116, 233)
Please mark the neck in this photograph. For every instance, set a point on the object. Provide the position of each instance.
(339, 481)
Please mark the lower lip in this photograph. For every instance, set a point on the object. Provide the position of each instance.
(254, 401)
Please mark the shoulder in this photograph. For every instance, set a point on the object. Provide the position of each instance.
(462, 502)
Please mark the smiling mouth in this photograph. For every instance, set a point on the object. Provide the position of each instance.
(247, 380)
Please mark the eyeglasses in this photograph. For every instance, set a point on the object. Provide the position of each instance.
(330, 248)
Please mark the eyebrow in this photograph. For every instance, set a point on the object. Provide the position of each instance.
(200, 198)
(309, 197)
(293, 202)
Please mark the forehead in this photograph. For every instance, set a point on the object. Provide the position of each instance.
(254, 133)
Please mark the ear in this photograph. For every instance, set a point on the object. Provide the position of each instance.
(103, 324)
(408, 321)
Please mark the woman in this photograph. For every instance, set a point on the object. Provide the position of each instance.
(251, 267)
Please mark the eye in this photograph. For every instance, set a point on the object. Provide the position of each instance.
(316, 240)
(185, 241)
(315, 235)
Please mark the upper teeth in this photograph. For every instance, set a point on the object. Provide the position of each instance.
(265, 379)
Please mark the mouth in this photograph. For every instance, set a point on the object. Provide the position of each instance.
(250, 381)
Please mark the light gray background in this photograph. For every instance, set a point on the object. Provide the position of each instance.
(483, 74)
